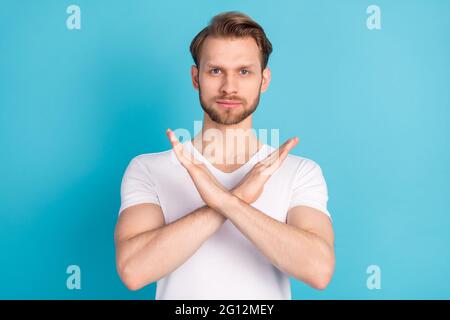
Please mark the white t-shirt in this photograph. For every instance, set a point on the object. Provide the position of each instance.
(227, 265)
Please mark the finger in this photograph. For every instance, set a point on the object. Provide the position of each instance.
(278, 160)
(285, 151)
(178, 149)
(281, 152)
(289, 146)
(275, 154)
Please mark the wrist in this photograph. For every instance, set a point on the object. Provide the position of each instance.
(211, 213)
(241, 195)
(229, 201)
(236, 192)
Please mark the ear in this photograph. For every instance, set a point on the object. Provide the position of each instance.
(266, 77)
(194, 76)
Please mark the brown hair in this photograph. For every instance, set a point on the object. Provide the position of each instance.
(233, 24)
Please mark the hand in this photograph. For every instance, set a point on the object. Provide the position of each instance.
(210, 190)
(252, 185)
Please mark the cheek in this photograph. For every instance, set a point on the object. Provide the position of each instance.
(250, 89)
(209, 87)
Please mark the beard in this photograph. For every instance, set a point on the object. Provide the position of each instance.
(230, 116)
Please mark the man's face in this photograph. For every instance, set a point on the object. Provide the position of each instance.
(229, 78)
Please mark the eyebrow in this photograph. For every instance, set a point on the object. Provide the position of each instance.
(212, 65)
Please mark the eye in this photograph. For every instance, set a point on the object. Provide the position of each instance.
(215, 71)
(244, 72)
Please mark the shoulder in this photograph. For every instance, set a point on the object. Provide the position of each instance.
(153, 164)
(153, 158)
(303, 164)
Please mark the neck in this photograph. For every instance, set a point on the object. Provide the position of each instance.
(227, 144)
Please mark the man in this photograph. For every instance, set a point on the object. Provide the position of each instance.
(205, 226)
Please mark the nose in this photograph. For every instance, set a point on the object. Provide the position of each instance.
(229, 85)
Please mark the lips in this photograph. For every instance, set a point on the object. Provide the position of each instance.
(229, 103)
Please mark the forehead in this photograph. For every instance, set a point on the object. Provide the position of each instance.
(229, 51)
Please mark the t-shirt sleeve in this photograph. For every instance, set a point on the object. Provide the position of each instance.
(310, 188)
(137, 186)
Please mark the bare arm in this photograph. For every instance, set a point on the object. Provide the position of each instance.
(147, 249)
(303, 247)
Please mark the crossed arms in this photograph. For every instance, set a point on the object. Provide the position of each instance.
(147, 249)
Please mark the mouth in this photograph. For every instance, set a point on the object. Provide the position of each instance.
(229, 104)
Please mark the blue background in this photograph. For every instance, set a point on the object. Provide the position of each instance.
(371, 107)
